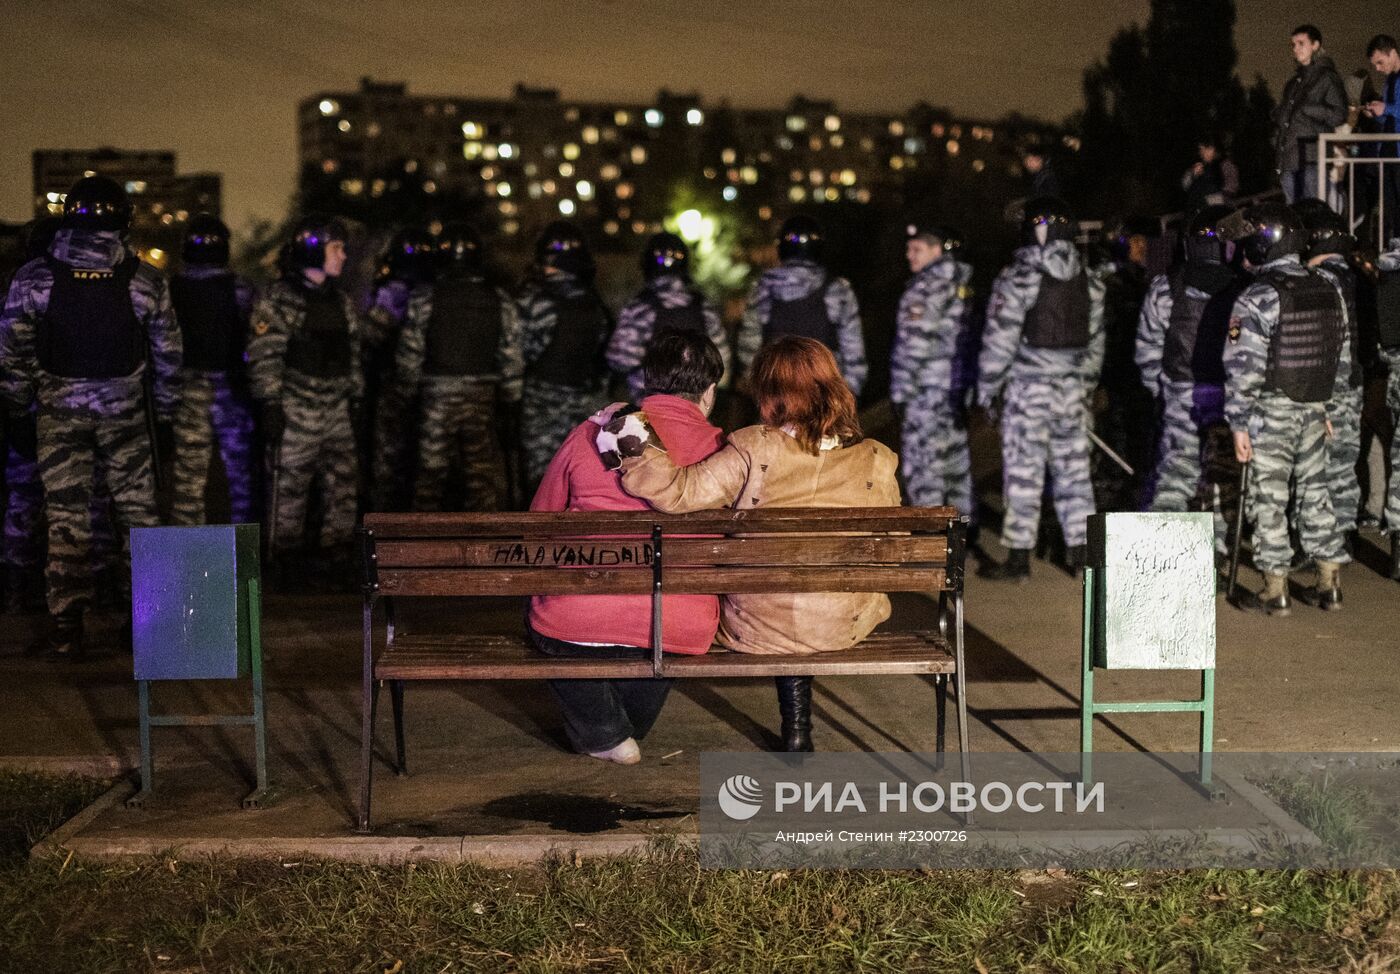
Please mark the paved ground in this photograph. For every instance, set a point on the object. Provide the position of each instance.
(488, 758)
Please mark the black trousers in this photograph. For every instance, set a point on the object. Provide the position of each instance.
(601, 714)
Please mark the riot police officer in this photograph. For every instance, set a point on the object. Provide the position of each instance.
(800, 297)
(1286, 357)
(212, 305)
(1180, 353)
(564, 333)
(460, 356)
(668, 299)
(925, 381)
(390, 407)
(1388, 330)
(1042, 352)
(304, 370)
(83, 325)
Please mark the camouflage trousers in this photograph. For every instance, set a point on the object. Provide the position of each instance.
(934, 457)
(392, 481)
(458, 422)
(317, 448)
(548, 414)
(1290, 446)
(1343, 450)
(97, 428)
(210, 409)
(24, 512)
(1196, 467)
(1392, 401)
(1044, 424)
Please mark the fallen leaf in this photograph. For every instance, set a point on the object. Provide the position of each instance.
(396, 969)
(478, 908)
(1185, 921)
(1258, 911)
(981, 967)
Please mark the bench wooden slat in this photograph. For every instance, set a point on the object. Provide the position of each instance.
(678, 580)
(769, 550)
(546, 524)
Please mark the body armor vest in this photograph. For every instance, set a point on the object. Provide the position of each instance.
(1196, 334)
(805, 317)
(90, 330)
(574, 357)
(1388, 309)
(320, 348)
(1060, 316)
(1346, 277)
(688, 317)
(1307, 342)
(212, 326)
(463, 332)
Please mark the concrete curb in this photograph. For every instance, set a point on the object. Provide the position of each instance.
(91, 765)
(67, 832)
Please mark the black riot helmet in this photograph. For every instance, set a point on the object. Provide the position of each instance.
(459, 246)
(38, 236)
(307, 248)
(665, 253)
(923, 228)
(1046, 220)
(410, 254)
(800, 238)
(206, 241)
(563, 248)
(1327, 231)
(1205, 244)
(97, 203)
(1265, 231)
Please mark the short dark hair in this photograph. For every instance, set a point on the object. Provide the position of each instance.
(681, 362)
(1313, 33)
(1380, 43)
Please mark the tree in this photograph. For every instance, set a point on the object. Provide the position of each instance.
(1159, 89)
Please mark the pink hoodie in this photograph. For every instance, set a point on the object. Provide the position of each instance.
(576, 480)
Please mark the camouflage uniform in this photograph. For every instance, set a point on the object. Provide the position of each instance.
(1045, 415)
(1289, 438)
(88, 424)
(1195, 455)
(1344, 411)
(213, 406)
(794, 280)
(318, 442)
(636, 323)
(390, 402)
(457, 412)
(926, 379)
(1389, 263)
(549, 411)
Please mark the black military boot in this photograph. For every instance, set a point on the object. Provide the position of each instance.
(1326, 594)
(795, 704)
(1395, 556)
(1272, 599)
(1016, 568)
(1076, 557)
(14, 591)
(65, 639)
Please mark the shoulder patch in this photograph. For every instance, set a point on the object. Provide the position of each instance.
(964, 291)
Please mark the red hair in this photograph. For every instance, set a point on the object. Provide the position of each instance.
(796, 383)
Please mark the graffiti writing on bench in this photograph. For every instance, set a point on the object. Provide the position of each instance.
(567, 555)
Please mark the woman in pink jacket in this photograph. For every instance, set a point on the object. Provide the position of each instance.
(808, 452)
(604, 718)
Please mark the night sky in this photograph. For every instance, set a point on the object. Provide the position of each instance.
(218, 82)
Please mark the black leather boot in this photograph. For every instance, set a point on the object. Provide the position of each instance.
(1016, 568)
(65, 639)
(1076, 557)
(795, 704)
(1395, 556)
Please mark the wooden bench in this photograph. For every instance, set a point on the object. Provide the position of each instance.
(775, 550)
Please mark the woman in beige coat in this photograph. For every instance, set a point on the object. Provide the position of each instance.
(808, 452)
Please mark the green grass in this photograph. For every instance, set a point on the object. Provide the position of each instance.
(662, 912)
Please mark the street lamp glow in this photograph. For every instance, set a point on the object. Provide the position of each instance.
(689, 222)
(584, 189)
(653, 117)
(328, 107)
(567, 207)
(730, 194)
(695, 116)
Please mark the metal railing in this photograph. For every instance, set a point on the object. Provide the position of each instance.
(1334, 153)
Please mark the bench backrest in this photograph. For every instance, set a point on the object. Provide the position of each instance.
(771, 550)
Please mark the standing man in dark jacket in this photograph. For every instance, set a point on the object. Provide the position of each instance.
(1384, 57)
(1314, 101)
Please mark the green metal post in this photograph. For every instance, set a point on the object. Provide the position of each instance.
(1207, 723)
(1086, 685)
(143, 692)
(253, 597)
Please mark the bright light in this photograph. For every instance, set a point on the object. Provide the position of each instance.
(622, 118)
(611, 228)
(473, 130)
(693, 225)
(489, 151)
(654, 118)
(796, 194)
(505, 150)
(639, 155)
(503, 189)
(567, 207)
(896, 128)
(610, 172)
(570, 151)
(328, 107)
(953, 147)
(136, 186)
(54, 197)
(728, 157)
(584, 189)
(848, 177)
(796, 123)
(344, 125)
(695, 116)
(590, 134)
(832, 123)
(749, 174)
(730, 194)
(566, 169)
(488, 172)
(156, 254)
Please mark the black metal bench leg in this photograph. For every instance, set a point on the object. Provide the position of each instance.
(368, 699)
(396, 697)
(940, 702)
(961, 689)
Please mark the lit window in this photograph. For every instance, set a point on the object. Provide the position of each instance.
(505, 150)
(896, 162)
(913, 146)
(639, 155)
(88, 173)
(376, 188)
(797, 194)
(609, 134)
(622, 118)
(896, 128)
(765, 212)
(535, 190)
(953, 147)
(936, 130)
(833, 194)
(133, 186)
(471, 150)
(54, 197)
(749, 175)
(531, 169)
(570, 150)
(732, 175)
(584, 189)
(567, 207)
(507, 208)
(956, 131)
(411, 166)
(489, 151)
(350, 187)
(503, 189)
(157, 208)
(429, 186)
(344, 125)
(590, 134)
(611, 228)
(439, 167)
(730, 194)
(329, 166)
(815, 143)
(429, 109)
(488, 172)
(653, 117)
(610, 172)
(566, 169)
(328, 106)
(978, 165)
(550, 151)
(624, 212)
(571, 114)
(695, 116)
(511, 227)
(168, 219)
(710, 172)
(549, 187)
(183, 215)
(837, 141)
(373, 130)
(473, 130)
(639, 226)
(797, 175)
(784, 143)
(489, 189)
(796, 123)
(156, 256)
(815, 177)
(862, 196)
(728, 157)
(832, 123)
(449, 109)
(624, 191)
(848, 177)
